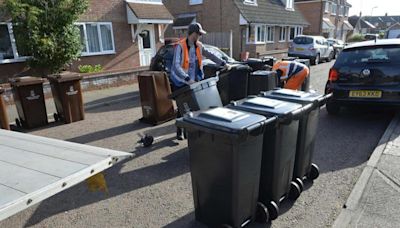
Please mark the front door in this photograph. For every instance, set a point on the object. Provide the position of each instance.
(147, 44)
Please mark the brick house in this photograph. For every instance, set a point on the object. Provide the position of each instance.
(328, 18)
(260, 27)
(117, 34)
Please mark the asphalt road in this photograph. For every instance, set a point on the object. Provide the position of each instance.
(154, 188)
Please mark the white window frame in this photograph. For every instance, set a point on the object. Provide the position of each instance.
(16, 58)
(195, 2)
(298, 30)
(283, 34)
(334, 9)
(101, 52)
(327, 7)
(250, 2)
(272, 35)
(290, 5)
(256, 26)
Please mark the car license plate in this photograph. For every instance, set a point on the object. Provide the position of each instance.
(299, 49)
(365, 94)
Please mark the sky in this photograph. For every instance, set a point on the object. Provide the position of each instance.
(392, 7)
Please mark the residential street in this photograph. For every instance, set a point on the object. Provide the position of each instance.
(154, 188)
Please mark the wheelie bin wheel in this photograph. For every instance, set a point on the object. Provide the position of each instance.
(18, 122)
(300, 182)
(262, 214)
(295, 191)
(273, 210)
(314, 172)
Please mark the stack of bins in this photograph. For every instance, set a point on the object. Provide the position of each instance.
(29, 101)
(197, 96)
(307, 130)
(233, 84)
(4, 122)
(67, 95)
(279, 149)
(225, 149)
(262, 81)
(154, 90)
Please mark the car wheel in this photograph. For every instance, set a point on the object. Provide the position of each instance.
(332, 108)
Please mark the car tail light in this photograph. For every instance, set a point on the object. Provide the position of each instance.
(311, 49)
(333, 75)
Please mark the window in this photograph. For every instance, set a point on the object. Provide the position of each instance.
(303, 40)
(97, 38)
(334, 9)
(289, 4)
(295, 31)
(327, 7)
(282, 34)
(270, 34)
(259, 34)
(195, 2)
(8, 46)
(387, 55)
(256, 34)
(250, 2)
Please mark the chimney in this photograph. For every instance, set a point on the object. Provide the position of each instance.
(386, 14)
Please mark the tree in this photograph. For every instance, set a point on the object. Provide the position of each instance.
(45, 31)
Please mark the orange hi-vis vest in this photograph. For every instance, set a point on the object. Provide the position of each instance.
(185, 54)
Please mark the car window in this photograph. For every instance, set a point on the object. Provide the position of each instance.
(303, 40)
(220, 54)
(362, 56)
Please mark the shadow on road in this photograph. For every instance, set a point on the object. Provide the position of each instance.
(118, 183)
(131, 100)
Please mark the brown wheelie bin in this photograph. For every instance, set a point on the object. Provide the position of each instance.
(154, 90)
(29, 100)
(67, 95)
(3, 112)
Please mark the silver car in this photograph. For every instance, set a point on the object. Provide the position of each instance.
(315, 48)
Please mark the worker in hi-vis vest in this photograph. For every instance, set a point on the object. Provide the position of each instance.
(187, 65)
(291, 74)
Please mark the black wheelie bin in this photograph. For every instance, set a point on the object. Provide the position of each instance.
(233, 84)
(303, 168)
(198, 96)
(279, 149)
(260, 81)
(225, 150)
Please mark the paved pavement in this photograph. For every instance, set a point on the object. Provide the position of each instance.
(154, 188)
(375, 199)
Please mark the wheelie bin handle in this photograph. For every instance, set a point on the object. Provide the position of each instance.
(324, 99)
(297, 114)
(259, 128)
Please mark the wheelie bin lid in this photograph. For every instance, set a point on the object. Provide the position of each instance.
(300, 97)
(197, 86)
(26, 80)
(267, 107)
(225, 121)
(64, 77)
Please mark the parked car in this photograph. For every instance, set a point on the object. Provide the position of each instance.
(365, 73)
(337, 45)
(315, 48)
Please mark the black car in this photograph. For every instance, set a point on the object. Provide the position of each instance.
(365, 73)
(162, 61)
